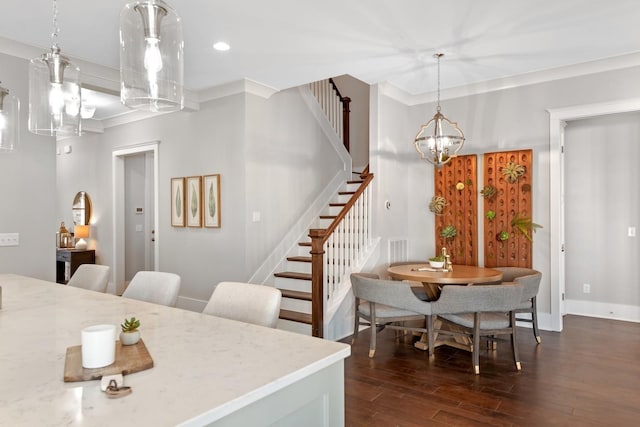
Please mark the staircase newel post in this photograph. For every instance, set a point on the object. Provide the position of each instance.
(317, 287)
(345, 120)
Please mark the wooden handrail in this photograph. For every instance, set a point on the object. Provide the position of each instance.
(345, 100)
(347, 207)
(318, 238)
(364, 172)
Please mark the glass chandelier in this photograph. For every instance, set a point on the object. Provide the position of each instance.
(151, 57)
(9, 121)
(440, 139)
(54, 91)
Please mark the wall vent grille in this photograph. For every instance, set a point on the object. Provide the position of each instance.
(398, 251)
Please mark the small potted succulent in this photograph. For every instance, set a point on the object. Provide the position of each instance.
(437, 261)
(130, 334)
(449, 232)
(502, 236)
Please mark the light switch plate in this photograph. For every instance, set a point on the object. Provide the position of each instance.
(9, 239)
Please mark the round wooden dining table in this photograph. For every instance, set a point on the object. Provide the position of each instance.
(433, 279)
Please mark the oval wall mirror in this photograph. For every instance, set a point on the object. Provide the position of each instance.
(81, 208)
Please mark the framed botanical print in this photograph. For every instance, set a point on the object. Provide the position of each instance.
(177, 202)
(194, 201)
(211, 198)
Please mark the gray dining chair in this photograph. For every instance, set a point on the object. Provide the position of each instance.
(416, 287)
(154, 286)
(475, 312)
(530, 280)
(385, 304)
(246, 302)
(91, 276)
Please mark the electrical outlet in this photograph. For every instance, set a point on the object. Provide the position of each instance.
(10, 239)
(586, 288)
(631, 232)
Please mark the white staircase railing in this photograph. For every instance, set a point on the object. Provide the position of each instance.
(335, 106)
(345, 247)
(336, 250)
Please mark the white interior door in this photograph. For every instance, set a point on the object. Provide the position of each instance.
(119, 209)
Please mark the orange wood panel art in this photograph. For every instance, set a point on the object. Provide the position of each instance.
(512, 197)
(460, 210)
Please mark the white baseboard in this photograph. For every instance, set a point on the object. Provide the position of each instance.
(630, 313)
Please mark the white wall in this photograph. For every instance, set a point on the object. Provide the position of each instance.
(27, 188)
(273, 159)
(502, 120)
(76, 172)
(602, 201)
(288, 161)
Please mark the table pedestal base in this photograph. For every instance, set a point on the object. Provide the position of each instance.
(461, 342)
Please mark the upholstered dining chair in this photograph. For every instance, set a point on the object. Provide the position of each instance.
(416, 287)
(245, 302)
(154, 286)
(385, 303)
(476, 312)
(91, 276)
(530, 280)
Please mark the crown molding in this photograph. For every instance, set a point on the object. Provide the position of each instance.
(238, 87)
(19, 50)
(92, 126)
(576, 70)
(592, 110)
(235, 88)
(106, 79)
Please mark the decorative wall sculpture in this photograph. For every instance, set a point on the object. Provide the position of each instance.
(456, 221)
(507, 208)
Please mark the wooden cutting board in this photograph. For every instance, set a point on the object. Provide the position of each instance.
(129, 359)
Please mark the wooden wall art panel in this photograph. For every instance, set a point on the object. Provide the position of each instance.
(456, 182)
(509, 174)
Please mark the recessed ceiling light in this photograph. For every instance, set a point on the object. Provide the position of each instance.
(221, 46)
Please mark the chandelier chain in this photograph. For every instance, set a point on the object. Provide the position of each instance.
(438, 55)
(56, 29)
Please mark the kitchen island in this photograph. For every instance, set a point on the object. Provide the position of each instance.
(207, 370)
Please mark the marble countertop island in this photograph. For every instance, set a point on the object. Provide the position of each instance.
(207, 370)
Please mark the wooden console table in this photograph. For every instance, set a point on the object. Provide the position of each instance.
(74, 258)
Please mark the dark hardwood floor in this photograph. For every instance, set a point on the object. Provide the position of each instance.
(588, 375)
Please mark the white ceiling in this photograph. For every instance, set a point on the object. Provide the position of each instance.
(286, 43)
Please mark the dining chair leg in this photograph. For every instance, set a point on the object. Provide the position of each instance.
(374, 330)
(476, 343)
(534, 320)
(516, 357)
(356, 323)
